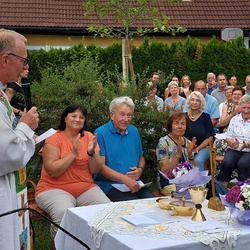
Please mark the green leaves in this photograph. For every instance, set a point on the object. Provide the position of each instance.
(119, 18)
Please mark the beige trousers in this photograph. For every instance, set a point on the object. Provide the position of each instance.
(55, 202)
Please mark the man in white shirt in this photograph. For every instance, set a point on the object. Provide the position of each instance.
(17, 144)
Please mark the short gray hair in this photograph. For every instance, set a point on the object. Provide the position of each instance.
(211, 73)
(8, 41)
(200, 96)
(228, 87)
(118, 101)
(244, 99)
(151, 85)
(173, 83)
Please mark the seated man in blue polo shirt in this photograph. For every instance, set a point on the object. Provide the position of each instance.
(121, 153)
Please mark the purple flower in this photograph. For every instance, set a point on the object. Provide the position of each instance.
(234, 194)
(238, 196)
(170, 174)
(240, 183)
(179, 170)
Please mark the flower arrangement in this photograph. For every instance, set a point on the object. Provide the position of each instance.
(185, 176)
(179, 170)
(238, 201)
(239, 195)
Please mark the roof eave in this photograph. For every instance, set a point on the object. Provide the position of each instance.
(84, 31)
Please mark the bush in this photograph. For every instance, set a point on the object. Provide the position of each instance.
(91, 76)
(83, 82)
(191, 58)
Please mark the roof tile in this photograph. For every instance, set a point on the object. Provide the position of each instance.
(195, 14)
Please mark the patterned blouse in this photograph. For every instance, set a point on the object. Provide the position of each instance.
(167, 148)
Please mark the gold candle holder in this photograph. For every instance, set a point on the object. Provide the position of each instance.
(198, 195)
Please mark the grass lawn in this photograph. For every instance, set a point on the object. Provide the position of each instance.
(42, 240)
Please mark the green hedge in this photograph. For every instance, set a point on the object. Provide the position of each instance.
(92, 76)
(84, 82)
(191, 58)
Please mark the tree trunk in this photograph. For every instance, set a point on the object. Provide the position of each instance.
(127, 63)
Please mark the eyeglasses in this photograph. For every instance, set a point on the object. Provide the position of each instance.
(122, 115)
(25, 59)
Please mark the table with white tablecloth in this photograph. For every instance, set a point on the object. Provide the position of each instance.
(102, 227)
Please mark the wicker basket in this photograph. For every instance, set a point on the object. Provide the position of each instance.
(31, 186)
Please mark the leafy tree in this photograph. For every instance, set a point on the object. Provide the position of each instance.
(124, 15)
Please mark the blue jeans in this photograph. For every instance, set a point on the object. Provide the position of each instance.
(235, 159)
(201, 158)
(116, 195)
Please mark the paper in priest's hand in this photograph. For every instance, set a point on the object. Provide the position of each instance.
(45, 135)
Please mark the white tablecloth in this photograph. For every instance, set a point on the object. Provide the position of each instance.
(101, 227)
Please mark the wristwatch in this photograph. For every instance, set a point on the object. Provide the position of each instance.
(90, 154)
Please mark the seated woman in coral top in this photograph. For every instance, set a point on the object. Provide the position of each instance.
(70, 157)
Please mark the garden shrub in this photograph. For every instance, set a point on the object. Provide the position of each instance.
(191, 58)
(83, 82)
(91, 76)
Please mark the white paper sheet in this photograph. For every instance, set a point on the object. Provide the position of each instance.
(162, 217)
(139, 220)
(150, 218)
(123, 188)
(207, 226)
(45, 135)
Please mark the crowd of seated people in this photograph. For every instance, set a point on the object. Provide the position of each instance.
(80, 168)
(221, 103)
(114, 154)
